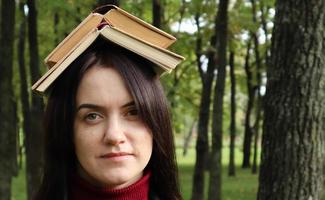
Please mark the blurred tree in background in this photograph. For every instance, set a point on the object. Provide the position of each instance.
(8, 108)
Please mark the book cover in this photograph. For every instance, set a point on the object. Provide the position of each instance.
(163, 58)
(116, 17)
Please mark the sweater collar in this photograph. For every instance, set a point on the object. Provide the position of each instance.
(82, 190)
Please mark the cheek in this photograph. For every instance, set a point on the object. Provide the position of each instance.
(82, 147)
(85, 141)
(145, 144)
(149, 148)
(149, 142)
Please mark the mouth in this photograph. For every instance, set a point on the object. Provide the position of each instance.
(116, 155)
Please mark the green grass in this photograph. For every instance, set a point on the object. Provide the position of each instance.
(18, 189)
(241, 187)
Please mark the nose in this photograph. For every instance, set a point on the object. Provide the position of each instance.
(114, 133)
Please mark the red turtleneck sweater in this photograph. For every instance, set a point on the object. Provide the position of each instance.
(82, 190)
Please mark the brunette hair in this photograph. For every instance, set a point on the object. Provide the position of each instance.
(144, 86)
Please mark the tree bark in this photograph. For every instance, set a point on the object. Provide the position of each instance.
(33, 140)
(8, 135)
(293, 144)
(202, 145)
(231, 167)
(217, 126)
(248, 129)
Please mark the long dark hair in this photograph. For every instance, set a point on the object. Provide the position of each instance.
(144, 85)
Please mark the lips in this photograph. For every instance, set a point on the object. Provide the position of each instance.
(115, 155)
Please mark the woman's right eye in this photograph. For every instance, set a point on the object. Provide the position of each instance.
(92, 117)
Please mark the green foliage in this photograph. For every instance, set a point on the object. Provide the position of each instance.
(139, 8)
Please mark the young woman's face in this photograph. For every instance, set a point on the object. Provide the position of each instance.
(112, 144)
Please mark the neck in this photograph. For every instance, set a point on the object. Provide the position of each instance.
(81, 189)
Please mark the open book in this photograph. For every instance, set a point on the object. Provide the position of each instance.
(116, 17)
(163, 58)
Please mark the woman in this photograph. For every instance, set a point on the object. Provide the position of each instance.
(108, 131)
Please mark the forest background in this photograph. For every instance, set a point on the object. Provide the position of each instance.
(247, 103)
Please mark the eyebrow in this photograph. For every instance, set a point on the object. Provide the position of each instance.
(98, 107)
(131, 103)
(89, 106)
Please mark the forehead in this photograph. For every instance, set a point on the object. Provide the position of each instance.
(102, 85)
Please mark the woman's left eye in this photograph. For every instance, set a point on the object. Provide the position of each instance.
(132, 112)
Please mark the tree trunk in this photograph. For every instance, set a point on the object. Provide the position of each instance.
(22, 69)
(33, 140)
(202, 145)
(0, 19)
(248, 129)
(188, 138)
(104, 2)
(256, 133)
(215, 157)
(256, 126)
(156, 13)
(8, 135)
(264, 10)
(56, 20)
(322, 192)
(231, 167)
(293, 141)
(24, 95)
(258, 89)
